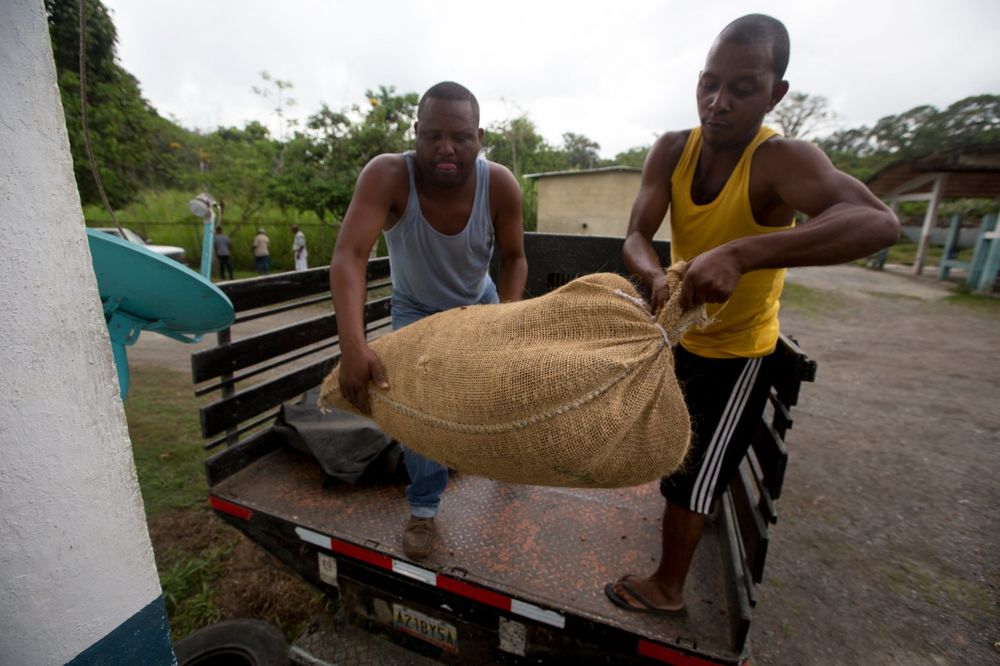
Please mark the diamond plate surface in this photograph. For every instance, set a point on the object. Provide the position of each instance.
(555, 547)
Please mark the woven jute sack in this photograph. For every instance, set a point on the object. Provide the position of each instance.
(574, 388)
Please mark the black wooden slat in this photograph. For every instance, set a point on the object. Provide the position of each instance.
(264, 367)
(246, 404)
(752, 528)
(782, 420)
(229, 461)
(260, 313)
(324, 298)
(277, 288)
(245, 428)
(551, 257)
(261, 347)
(772, 455)
(280, 287)
(271, 344)
(740, 588)
(374, 328)
(764, 501)
(796, 368)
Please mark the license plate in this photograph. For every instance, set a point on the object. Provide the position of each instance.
(430, 629)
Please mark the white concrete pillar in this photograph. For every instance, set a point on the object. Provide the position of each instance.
(78, 582)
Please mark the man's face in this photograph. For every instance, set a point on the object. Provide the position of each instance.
(735, 91)
(448, 141)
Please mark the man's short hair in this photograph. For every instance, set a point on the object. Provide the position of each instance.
(757, 29)
(451, 91)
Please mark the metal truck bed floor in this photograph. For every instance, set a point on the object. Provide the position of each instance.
(553, 546)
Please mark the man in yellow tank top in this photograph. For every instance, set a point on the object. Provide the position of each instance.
(733, 187)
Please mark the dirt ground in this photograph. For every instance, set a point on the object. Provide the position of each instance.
(886, 549)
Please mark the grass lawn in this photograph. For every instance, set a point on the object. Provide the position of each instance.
(811, 302)
(208, 570)
(905, 252)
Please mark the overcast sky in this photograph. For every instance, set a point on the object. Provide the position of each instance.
(619, 71)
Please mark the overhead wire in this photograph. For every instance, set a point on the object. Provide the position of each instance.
(83, 116)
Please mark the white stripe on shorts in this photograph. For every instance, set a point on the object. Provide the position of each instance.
(708, 475)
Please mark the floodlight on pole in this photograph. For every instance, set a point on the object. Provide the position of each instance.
(204, 206)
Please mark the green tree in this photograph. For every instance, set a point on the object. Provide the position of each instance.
(322, 164)
(633, 157)
(238, 167)
(800, 114)
(275, 89)
(581, 152)
(126, 134)
(386, 127)
(970, 121)
(907, 133)
(922, 130)
(517, 145)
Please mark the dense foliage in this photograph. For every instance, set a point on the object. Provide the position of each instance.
(920, 131)
(313, 168)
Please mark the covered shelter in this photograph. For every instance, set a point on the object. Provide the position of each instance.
(970, 172)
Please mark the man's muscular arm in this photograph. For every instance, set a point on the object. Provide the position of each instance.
(647, 215)
(848, 222)
(508, 229)
(363, 222)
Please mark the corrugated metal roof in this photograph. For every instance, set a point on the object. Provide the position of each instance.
(972, 172)
(583, 172)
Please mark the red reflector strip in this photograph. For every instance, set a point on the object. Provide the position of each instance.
(467, 590)
(228, 507)
(673, 657)
(359, 553)
(474, 592)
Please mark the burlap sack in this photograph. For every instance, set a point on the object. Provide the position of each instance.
(574, 388)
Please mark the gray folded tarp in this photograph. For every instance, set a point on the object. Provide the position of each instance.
(348, 447)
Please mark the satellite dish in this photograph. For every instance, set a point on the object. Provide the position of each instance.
(142, 290)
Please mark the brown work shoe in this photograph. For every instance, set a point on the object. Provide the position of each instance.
(418, 537)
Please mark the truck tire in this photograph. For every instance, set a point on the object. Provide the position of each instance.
(233, 643)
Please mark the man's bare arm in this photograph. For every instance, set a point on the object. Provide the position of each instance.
(508, 229)
(647, 214)
(362, 224)
(848, 222)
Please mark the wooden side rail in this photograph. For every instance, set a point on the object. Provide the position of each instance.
(748, 506)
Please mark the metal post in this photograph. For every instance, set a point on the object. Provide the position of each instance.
(929, 218)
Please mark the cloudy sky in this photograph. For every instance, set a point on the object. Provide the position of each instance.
(619, 71)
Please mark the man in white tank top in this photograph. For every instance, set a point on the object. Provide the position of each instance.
(426, 203)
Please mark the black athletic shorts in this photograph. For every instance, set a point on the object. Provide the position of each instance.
(725, 398)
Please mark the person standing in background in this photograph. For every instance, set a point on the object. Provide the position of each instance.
(299, 252)
(223, 252)
(261, 252)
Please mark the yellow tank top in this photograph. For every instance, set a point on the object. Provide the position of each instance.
(747, 324)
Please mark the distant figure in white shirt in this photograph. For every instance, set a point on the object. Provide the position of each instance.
(299, 251)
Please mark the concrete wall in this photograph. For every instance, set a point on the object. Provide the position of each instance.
(590, 204)
(75, 557)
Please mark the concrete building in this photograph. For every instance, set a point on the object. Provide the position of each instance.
(591, 202)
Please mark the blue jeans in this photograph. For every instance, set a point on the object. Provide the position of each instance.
(428, 479)
(262, 264)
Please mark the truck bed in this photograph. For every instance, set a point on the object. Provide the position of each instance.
(518, 573)
(552, 547)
